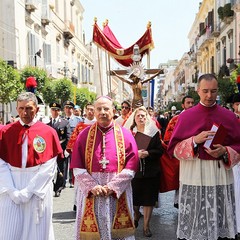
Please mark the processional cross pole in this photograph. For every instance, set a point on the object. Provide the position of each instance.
(136, 77)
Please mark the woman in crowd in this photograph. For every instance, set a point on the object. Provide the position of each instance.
(146, 181)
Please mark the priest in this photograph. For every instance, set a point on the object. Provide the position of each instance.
(104, 161)
(28, 153)
(206, 194)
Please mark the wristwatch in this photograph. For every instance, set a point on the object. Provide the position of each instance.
(225, 157)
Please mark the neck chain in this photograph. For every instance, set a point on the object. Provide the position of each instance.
(103, 161)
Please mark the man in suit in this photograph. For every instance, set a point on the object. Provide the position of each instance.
(73, 120)
(63, 130)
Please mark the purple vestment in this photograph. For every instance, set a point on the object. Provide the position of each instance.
(78, 155)
(201, 118)
(206, 193)
(119, 182)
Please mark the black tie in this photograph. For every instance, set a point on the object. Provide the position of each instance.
(54, 121)
(26, 126)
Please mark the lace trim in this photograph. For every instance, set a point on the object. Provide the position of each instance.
(206, 212)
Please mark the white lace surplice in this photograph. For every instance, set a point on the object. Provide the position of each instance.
(206, 199)
(104, 207)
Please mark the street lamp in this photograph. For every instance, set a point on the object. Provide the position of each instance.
(65, 69)
(38, 53)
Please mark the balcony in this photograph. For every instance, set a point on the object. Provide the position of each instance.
(31, 5)
(216, 30)
(205, 39)
(46, 15)
(68, 31)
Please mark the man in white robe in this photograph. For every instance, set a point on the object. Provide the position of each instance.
(28, 152)
(206, 193)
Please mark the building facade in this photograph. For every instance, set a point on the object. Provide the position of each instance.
(214, 45)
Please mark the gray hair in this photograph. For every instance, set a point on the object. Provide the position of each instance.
(27, 96)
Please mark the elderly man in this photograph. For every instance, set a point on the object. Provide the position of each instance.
(104, 160)
(206, 193)
(28, 153)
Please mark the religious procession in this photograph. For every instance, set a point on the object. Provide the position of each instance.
(120, 165)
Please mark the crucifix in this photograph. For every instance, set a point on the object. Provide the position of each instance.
(136, 77)
(104, 162)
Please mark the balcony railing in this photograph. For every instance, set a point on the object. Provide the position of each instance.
(216, 30)
(205, 38)
(69, 30)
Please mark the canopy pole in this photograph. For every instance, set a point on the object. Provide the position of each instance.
(109, 77)
(149, 89)
(99, 69)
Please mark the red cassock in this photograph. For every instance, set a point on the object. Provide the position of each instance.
(169, 178)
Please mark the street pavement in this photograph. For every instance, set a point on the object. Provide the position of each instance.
(163, 222)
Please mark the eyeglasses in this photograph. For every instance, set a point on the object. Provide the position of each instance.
(125, 107)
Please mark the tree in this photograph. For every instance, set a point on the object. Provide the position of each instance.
(63, 90)
(83, 96)
(38, 73)
(49, 92)
(227, 86)
(10, 83)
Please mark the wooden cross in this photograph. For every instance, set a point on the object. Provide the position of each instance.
(104, 162)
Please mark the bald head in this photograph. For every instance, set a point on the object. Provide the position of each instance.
(103, 107)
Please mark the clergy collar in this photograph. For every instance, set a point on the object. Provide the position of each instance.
(29, 124)
(207, 106)
(104, 129)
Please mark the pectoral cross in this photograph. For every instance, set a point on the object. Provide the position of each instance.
(104, 162)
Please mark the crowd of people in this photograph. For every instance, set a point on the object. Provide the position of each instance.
(119, 164)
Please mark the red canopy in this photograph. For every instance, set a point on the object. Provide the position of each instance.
(106, 39)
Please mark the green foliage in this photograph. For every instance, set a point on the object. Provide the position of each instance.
(226, 88)
(227, 10)
(194, 95)
(57, 91)
(63, 90)
(83, 96)
(220, 13)
(49, 92)
(10, 84)
(38, 73)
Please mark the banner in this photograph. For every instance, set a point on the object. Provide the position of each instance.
(106, 40)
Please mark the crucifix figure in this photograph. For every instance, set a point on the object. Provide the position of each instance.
(104, 162)
(137, 77)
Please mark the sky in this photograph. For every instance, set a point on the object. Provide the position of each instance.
(171, 22)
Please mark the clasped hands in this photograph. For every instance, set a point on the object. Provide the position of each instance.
(101, 191)
(218, 150)
(19, 196)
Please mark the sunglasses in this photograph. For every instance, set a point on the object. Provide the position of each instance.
(125, 107)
